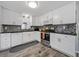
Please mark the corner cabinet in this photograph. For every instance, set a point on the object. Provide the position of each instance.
(5, 41)
(63, 43)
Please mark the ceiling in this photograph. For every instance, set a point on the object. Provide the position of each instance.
(44, 6)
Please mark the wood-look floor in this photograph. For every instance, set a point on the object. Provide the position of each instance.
(37, 50)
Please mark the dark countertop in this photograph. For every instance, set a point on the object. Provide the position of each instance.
(38, 31)
(64, 33)
(59, 33)
(19, 31)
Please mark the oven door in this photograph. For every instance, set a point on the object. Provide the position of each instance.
(47, 37)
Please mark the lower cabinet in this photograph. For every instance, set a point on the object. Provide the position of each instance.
(5, 41)
(27, 37)
(37, 36)
(63, 43)
(16, 39)
(30, 35)
(52, 40)
(8, 40)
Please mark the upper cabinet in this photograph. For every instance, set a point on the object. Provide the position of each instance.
(0, 15)
(11, 17)
(64, 15)
(47, 18)
(36, 21)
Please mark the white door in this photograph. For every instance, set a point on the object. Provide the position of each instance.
(5, 41)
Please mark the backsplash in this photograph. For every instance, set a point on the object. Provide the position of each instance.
(61, 28)
(66, 28)
(10, 28)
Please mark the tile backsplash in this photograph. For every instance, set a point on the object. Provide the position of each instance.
(66, 28)
(10, 28)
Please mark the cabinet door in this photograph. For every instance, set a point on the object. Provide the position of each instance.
(19, 38)
(64, 14)
(11, 17)
(25, 37)
(68, 44)
(5, 41)
(57, 21)
(56, 41)
(52, 40)
(14, 39)
(64, 43)
(30, 36)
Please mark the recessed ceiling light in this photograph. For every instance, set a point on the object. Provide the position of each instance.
(32, 4)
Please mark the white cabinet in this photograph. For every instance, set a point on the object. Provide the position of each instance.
(63, 43)
(27, 37)
(46, 22)
(48, 19)
(52, 39)
(0, 18)
(36, 21)
(0, 15)
(5, 41)
(19, 38)
(37, 36)
(11, 17)
(16, 39)
(64, 15)
(30, 37)
(69, 44)
(7, 16)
